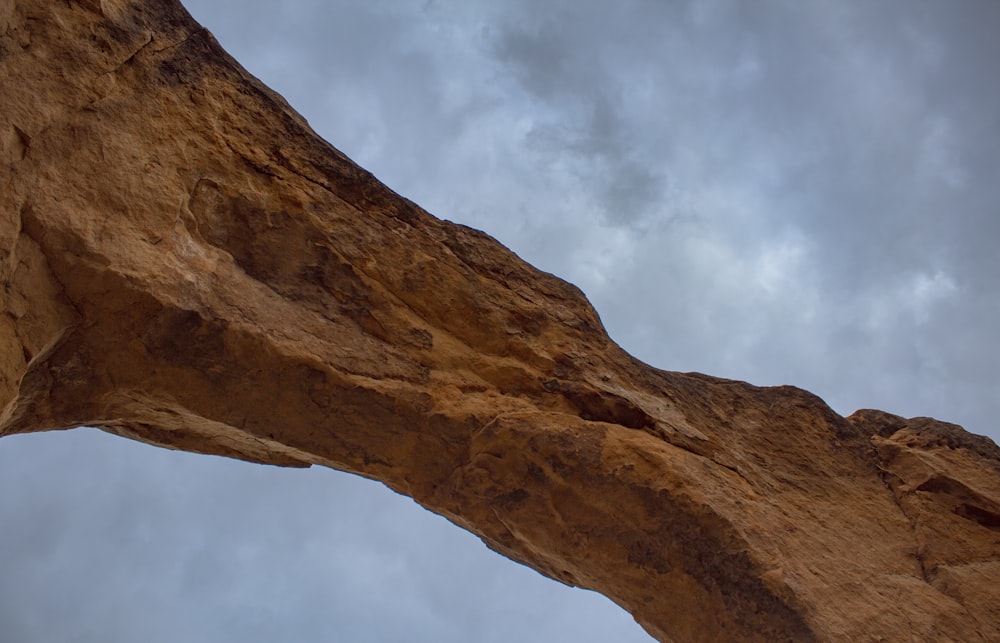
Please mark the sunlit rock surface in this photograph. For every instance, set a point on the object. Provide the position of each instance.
(185, 263)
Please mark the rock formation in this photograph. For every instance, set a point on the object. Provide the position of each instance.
(186, 263)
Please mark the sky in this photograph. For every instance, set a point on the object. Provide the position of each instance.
(782, 191)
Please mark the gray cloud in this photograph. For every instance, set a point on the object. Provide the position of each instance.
(109, 540)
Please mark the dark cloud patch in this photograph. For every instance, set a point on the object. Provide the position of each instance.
(828, 150)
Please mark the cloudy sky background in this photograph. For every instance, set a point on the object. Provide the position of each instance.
(782, 192)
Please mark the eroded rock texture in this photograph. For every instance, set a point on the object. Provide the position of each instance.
(186, 263)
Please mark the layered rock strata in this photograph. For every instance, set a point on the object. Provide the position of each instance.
(185, 263)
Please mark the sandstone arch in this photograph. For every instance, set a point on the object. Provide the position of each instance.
(182, 255)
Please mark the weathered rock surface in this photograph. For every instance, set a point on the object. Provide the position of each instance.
(185, 263)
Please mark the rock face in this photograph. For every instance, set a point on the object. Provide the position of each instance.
(186, 263)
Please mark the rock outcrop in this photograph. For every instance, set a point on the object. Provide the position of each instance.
(185, 263)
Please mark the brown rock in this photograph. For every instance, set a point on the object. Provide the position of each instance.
(185, 263)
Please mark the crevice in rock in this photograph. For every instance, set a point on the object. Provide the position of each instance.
(898, 498)
(600, 406)
(128, 61)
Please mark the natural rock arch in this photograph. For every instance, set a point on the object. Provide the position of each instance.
(183, 256)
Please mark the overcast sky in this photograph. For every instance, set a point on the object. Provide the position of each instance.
(784, 192)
